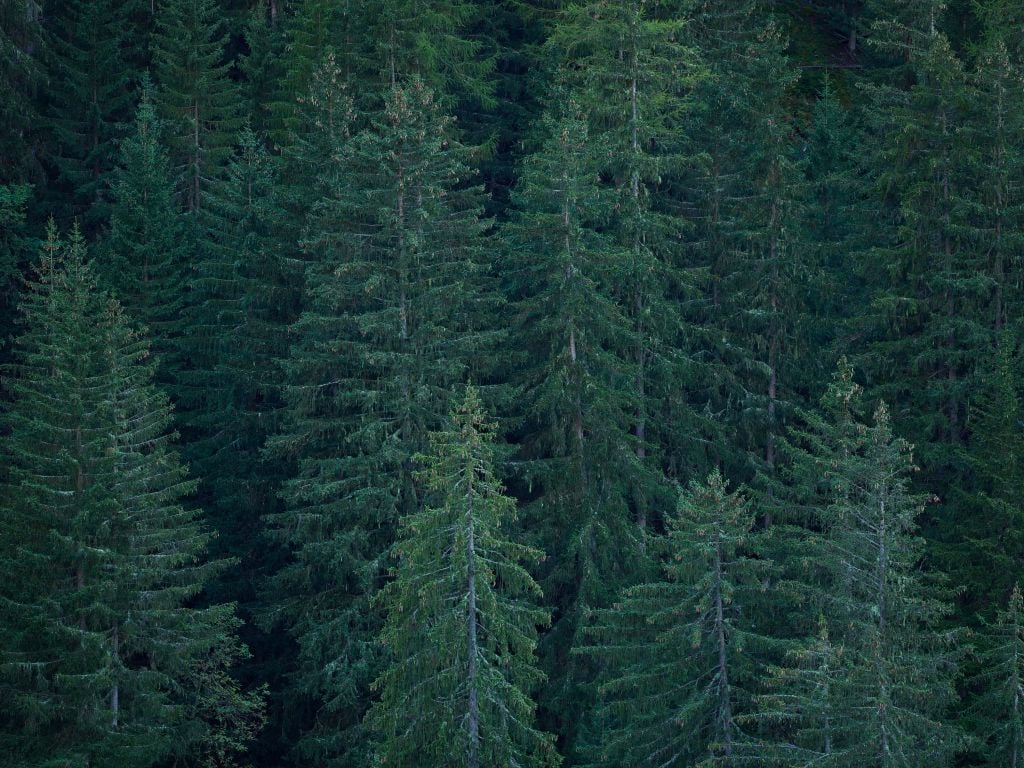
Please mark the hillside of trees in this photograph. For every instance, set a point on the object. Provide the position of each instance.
(511, 383)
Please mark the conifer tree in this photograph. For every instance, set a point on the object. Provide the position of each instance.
(91, 98)
(105, 661)
(898, 667)
(801, 708)
(985, 548)
(14, 253)
(628, 67)
(745, 198)
(313, 30)
(997, 129)
(998, 712)
(679, 654)
(394, 40)
(145, 258)
(196, 97)
(577, 403)
(396, 312)
(244, 295)
(461, 617)
(21, 71)
(927, 322)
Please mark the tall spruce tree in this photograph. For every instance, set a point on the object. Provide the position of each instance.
(928, 323)
(91, 99)
(244, 295)
(21, 70)
(196, 96)
(679, 652)
(629, 69)
(105, 661)
(578, 401)
(984, 546)
(395, 316)
(898, 666)
(145, 258)
(997, 714)
(461, 617)
(995, 131)
(745, 197)
(14, 255)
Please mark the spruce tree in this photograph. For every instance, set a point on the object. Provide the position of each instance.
(105, 660)
(575, 374)
(144, 260)
(396, 313)
(928, 321)
(244, 295)
(898, 666)
(461, 617)
(21, 71)
(91, 99)
(14, 253)
(196, 96)
(984, 546)
(679, 652)
(628, 67)
(997, 129)
(745, 197)
(997, 713)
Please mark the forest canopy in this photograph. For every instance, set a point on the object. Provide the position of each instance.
(511, 383)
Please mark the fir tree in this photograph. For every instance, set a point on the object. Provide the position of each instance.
(461, 626)
(395, 315)
(998, 712)
(91, 98)
(628, 67)
(21, 44)
(103, 654)
(577, 397)
(927, 320)
(679, 654)
(14, 252)
(196, 97)
(996, 133)
(898, 667)
(243, 297)
(145, 259)
(984, 546)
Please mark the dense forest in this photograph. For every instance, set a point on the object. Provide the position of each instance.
(511, 383)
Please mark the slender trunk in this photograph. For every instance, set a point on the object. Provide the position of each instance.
(882, 600)
(115, 693)
(773, 349)
(724, 703)
(196, 159)
(640, 430)
(473, 716)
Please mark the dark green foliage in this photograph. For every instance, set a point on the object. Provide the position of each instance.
(21, 44)
(104, 660)
(578, 390)
(145, 258)
(461, 617)
(92, 92)
(999, 708)
(699, 206)
(243, 296)
(989, 552)
(14, 254)
(196, 96)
